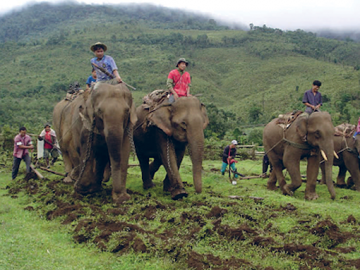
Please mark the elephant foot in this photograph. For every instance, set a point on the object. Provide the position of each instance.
(271, 186)
(349, 182)
(287, 191)
(322, 182)
(148, 185)
(67, 180)
(119, 198)
(311, 196)
(282, 184)
(341, 185)
(177, 194)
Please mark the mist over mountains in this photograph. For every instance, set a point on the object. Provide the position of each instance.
(23, 22)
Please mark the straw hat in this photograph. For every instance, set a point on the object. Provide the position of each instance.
(182, 60)
(98, 44)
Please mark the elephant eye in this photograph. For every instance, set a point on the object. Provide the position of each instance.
(317, 134)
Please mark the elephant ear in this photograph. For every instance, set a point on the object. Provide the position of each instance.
(206, 118)
(301, 127)
(161, 118)
(133, 117)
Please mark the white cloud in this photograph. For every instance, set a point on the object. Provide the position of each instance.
(284, 14)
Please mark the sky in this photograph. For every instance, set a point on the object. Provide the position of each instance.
(283, 14)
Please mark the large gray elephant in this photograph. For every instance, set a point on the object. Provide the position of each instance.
(306, 137)
(94, 130)
(346, 146)
(163, 134)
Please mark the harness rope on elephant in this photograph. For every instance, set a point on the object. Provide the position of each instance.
(88, 149)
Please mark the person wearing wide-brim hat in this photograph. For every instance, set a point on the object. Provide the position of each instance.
(179, 81)
(105, 66)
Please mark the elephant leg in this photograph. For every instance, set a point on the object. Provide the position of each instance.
(107, 173)
(311, 177)
(276, 175)
(353, 167)
(293, 166)
(68, 167)
(154, 166)
(180, 152)
(145, 173)
(340, 180)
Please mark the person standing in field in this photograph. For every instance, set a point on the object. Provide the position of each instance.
(105, 66)
(49, 137)
(179, 81)
(22, 144)
(312, 98)
(228, 158)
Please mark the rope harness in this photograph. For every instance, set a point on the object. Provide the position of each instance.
(88, 149)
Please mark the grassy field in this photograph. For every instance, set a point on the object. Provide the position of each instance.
(62, 230)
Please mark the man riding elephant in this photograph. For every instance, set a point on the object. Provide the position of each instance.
(94, 130)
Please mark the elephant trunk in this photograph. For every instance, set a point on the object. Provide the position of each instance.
(328, 171)
(117, 138)
(196, 150)
(114, 139)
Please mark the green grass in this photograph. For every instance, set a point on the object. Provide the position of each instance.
(30, 241)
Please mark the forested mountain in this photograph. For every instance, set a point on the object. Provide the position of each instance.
(245, 77)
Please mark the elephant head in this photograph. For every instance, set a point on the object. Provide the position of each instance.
(318, 131)
(185, 121)
(108, 117)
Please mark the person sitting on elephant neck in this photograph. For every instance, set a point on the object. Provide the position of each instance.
(312, 98)
(91, 80)
(228, 158)
(49, 137)
(179, 81)
(109, 72)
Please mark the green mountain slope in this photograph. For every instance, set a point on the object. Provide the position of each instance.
(254, 74)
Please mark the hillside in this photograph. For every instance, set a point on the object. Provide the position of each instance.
(254, 75)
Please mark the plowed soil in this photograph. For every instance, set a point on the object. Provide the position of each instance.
(225, 228)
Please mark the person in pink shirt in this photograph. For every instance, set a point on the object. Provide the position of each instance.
(22, 144)
(179, 81)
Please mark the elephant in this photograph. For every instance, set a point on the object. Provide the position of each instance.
(163, 133)
(95, 130)
(347, 148)
(306, 137)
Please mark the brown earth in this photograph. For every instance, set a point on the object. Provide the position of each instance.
(150, 226)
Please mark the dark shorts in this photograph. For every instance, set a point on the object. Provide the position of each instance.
(53, 152)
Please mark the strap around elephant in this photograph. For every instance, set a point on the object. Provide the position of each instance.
(304, 146)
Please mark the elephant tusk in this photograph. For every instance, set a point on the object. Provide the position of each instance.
(336, 155)
(323, 155)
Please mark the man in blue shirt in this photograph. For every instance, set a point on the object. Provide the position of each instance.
(106, 62)
(312, 98)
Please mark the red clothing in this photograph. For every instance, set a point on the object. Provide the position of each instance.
(180, 82)
(49, 139)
